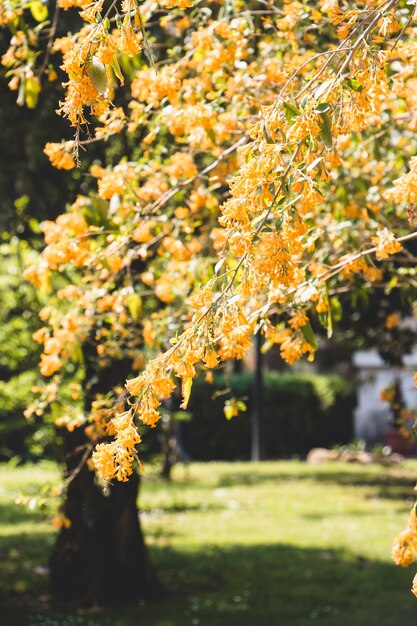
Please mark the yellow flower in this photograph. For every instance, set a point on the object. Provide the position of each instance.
(181, 4)
(128, 437)
(60, 155)
(60, 521)
(298, 319)
(122, 420)
(135, 385)
(50, 363)
(90, 10)
(41, 335)
(149, 416)
(210, 357)
(201, 297)
(103, 459)
(404, 548)
(392, 321)
(385, 244)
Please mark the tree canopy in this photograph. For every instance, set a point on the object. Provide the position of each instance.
(260, 163)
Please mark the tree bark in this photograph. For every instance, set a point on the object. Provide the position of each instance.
(101, 559)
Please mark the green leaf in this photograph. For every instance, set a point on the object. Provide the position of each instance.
(229, 410)
(392, 283)
(329, 324)
(77, 354)
(114, 64)
(232, 407)
(39, 10)
(323, 107)
(96, 213)
(32, 92)
(34, 226)
(211, 135)
(326, 130)
(309, 335)
(291, 111)
(97, 72)
(134, 304)
(182, 416)
(354, 84)
(336, 308)
(266, 133)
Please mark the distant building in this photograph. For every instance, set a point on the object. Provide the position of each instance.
(372, 415)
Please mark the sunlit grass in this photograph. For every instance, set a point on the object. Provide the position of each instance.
(237, 544)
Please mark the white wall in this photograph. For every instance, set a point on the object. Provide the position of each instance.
(372, 415)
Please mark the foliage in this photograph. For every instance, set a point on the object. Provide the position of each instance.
(235, 544)
(299, 412)
(274, 169)
(149, 236)
(18, 353)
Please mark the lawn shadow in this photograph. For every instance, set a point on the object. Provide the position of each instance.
(181, 507)
(11, 513)
(388, 484)
(269, 584)
(23, 568)
(276, 584)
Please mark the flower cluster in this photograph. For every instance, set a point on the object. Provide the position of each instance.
(256, 191)
(404, 548)
(115, 459)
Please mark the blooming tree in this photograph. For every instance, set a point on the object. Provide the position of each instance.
(270, 167)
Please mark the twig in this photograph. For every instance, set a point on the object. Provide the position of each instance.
(51, 36)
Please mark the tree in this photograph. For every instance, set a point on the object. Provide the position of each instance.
(19, 355)
(292, 123)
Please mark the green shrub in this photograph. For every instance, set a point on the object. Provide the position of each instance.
(300, 411)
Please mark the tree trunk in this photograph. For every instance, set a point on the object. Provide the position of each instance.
(101, 559)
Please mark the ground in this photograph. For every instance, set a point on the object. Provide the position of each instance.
(236, 544)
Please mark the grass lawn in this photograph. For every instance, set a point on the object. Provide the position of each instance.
(271, 544)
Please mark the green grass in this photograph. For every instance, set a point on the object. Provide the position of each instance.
(271, 544)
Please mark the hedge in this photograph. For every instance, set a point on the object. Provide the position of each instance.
(300, 411)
